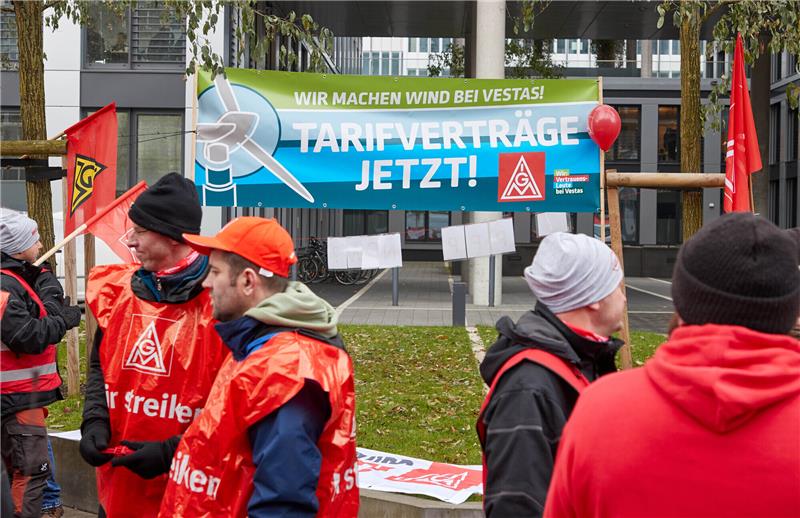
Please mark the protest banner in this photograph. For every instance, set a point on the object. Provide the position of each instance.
(285, 139)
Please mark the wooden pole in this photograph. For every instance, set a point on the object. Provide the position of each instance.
(602, 178)
(88, 264)
(33, 147)
(71, 291)
(75, 233)
(616, 246)
(665, 180)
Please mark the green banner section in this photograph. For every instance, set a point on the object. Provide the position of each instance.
(305, 91)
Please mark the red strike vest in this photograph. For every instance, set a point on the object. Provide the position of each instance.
(20, 373)
(551, 362)
(159, 362)
(212, 470)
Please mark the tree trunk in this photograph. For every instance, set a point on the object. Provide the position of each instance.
(30, 21)
(691, 123)
(759, 87)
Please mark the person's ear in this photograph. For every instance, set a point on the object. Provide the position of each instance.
(248, 279)
(594, 306)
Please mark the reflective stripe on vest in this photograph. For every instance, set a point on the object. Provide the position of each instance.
(30, 373)
(21, 373)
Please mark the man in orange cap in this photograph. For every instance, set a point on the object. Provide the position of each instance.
(277, 435)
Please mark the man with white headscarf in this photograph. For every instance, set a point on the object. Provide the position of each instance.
(538, 366)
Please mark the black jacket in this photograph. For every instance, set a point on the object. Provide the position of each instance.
(23, 331)
(529, 407)
(170, 289)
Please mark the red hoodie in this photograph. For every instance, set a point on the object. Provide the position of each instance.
(709, 427)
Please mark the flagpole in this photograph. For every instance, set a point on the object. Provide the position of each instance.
(78, 231)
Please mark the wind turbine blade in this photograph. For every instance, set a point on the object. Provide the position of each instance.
(225, 92)
(207, 132)
(277, 169)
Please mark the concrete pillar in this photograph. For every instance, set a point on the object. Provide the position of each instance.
(490, 40)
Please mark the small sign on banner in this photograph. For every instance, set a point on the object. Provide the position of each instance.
(478, 243)
(394, 473)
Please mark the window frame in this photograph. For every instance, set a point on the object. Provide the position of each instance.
(615, 148)
(130, 65)
(427, 226)
(132, 174)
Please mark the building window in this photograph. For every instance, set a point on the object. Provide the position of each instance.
(395, 65)
(791, 202)
(424, 226)
(793, 141)
(146, 35)
(774, 200)
(365, 222)
(629, 215)
(628, 143)
(669, 143)
(676, 47)
(561, 46)
(668, 217)
(774, 133)
(149, 145)
(424, 44)
(434, 44)
(9, 55)
(12, 182)
(663, 47)
(412, 44)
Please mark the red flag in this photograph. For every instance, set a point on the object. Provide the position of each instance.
(743, 157)
(112, 224)
(91, 166)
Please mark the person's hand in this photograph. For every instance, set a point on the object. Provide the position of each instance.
(70, 314)
(150, 458)
(94, 439)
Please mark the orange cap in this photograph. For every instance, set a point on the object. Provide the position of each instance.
(261, 241)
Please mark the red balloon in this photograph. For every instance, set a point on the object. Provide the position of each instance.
(604, 126)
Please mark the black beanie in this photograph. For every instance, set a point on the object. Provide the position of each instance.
(170, 207)
(738, 270)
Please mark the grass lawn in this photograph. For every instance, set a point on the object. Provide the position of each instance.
(418, 391)
(644, 343)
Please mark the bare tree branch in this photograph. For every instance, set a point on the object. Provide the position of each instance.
(714, 8)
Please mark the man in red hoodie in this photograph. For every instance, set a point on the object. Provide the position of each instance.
(711, 425)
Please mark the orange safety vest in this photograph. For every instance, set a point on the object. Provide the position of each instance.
(159, 362)
(212, 470)
(21, 373)
(551, 362)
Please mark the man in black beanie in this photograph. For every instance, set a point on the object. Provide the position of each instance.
(156, 353)
(709, 427)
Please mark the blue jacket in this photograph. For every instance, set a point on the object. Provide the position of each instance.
(284, 443)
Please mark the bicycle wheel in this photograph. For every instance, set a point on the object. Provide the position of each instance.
(347, 277)
(307, 270)
(364, 277)
(322, 267)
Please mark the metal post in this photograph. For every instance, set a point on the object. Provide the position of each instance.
(395, 286)
(491, 280)
(294, 272)
(459, 304)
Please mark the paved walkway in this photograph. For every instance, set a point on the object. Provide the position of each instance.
(425, 300)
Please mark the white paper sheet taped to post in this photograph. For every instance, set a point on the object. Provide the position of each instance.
(365, 252)
(478, 239)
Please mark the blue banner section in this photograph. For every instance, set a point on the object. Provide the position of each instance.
(536, 158)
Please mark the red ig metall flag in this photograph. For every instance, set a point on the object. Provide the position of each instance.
(743, 157)
(91, 166)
